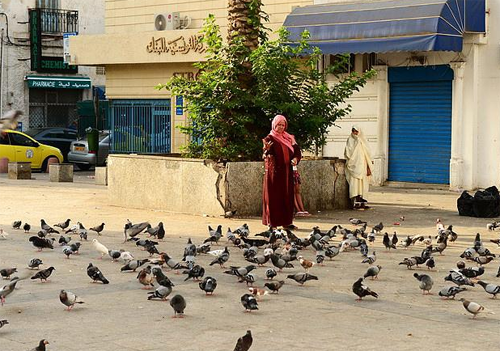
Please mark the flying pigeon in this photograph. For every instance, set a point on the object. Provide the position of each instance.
(245, 342)
(98, 229)
(178, 303)
(208, 285)
(44, 274)
(249, 303)
(426, 282)
(361, 290)
(68, 299)
(95, 274)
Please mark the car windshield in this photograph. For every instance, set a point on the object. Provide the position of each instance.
(33, 132)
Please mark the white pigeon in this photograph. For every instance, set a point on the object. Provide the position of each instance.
(103, 250)
(126, 256)
(9, 119)
(215, 252)
(268, 251)
(3, 234)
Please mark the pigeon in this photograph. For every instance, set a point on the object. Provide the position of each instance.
(243, 230)
(271, 273)
(178, 303)
(41, 345)
(394, 240)
(146, 278)
(387, 242)
(161, 293)
(249, 303)
(259, 259)
(161, 278)
(222, 258)
(458, 278)
(157, 232)
(114, 254)
(275, 286)
(63, 225)
(214, 235)
(240, 271)
(472, 307)
(370, 259)
(95, 274)
(356, 221)
(472, 272)
(189, 251)
(44, 274)
(373, 272)
(257, 292)
(75, 247)
(3, 322)
(450, 291)
(331, 251)
(197, 272)
(8, 289)
(26, 227)
(254, 241)
(7, 272)
(361, 290)
(430, 263)
(245, 342)
(248, 278)
(203, 248)
(171, 263)
(16, 224)
(67, 251)
(306, 264)
(103, 250)
(426, 282)
(208, 285)
(279, 262)
(378, 228)
(47, 227)
(98, 229)
(81, 231)
(3, 234)
(133, 265)
(64, 240)
(482, 260)
(491, 289)
(132, 230)
(69, 299)
(409, 262)
(320, 258)
(301, 278)
(40, 243)
(35, 263)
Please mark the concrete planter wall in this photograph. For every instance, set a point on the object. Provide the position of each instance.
(205, 187)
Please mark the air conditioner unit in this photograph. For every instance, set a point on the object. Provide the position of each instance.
(167, 21)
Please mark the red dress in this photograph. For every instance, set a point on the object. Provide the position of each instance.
(278, 189)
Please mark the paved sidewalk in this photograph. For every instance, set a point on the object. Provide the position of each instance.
(322, 315)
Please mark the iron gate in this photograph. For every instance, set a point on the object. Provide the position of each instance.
(141, 126)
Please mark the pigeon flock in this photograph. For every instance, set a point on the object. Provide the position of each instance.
(274, 259)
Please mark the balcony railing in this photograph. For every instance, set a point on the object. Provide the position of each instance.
(56, 22)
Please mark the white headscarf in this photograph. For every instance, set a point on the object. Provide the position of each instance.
(357, 154)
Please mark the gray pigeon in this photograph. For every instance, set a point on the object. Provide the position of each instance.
(161, 293)
(301, 278)
(8, 289)
(426, 282)
(373, 272)
(450, 291)
(69, 299)
(132, 230)
(208, 285)
(491, 289)
(178, 303)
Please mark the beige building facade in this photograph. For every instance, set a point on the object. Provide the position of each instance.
(138, 56)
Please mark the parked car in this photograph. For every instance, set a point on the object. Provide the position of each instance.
(79, 152)
(57, 137)
(19, 147)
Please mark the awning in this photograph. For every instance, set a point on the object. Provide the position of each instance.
(55, 82)
(386, 26)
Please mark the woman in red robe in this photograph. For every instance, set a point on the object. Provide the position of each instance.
(281, 154)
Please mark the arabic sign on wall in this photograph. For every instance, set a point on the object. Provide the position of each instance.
(179, 45)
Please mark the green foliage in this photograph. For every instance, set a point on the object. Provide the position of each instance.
(230, 115)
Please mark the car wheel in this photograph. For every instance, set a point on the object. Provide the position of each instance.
(46, 162)
(83, 166)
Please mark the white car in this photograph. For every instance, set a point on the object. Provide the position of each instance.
(79, 152)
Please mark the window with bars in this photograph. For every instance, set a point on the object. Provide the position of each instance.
(48, 4)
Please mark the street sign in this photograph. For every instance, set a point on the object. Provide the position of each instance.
(179, 105)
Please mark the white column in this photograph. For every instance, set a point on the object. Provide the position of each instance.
(380, 167)
(457, 120)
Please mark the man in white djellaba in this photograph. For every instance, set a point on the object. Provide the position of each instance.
(358, 164)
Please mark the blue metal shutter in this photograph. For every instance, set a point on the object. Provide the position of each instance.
(420, 129)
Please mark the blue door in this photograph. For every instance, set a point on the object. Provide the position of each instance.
(420, 124)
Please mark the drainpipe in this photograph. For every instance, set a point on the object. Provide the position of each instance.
(1, 73)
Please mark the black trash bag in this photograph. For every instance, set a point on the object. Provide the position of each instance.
(465, 204)
(486, 203)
